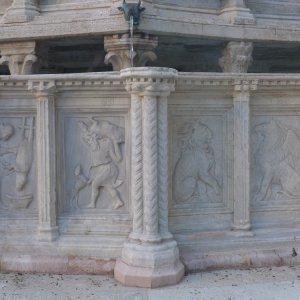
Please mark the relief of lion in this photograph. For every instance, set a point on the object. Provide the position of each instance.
(195, 169)
(277, 160)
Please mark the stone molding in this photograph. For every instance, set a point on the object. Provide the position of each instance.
(21, 11)
(20, 57)
(118, 50)
(44, 92)
(237, 57)
(113, 80)
(151, 251)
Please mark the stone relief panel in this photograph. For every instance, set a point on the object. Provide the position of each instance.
(275, 160)
(95, 163)
(200, 174)
(17, 164)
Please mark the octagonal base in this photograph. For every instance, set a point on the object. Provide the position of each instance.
(148, 277)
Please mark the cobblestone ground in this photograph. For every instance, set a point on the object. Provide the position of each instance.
(257, 284)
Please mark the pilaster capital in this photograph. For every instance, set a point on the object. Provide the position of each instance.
(245, 85)
(42, 88)
(149, 81)
(242, 89)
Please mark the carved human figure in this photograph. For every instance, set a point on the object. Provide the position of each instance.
(103, 139)
(194, 172)
(277, 160)
(23, 152)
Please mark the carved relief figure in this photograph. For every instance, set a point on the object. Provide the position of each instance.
(23, 162)
(277, 160)
(194, 172)
(103, 140)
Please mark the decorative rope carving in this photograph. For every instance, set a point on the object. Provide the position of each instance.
(137, 164)
(150, 166)
(163, 164)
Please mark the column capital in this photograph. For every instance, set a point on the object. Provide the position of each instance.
(236, 57)
(18, 56)
(118, 50)
(149, 81)
(42, 88)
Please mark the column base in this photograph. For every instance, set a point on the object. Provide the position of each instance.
(242, 233)
(47, 234)
(149, 265)
(238, 16)
(242, 230)
(20, 14)
(148, 277)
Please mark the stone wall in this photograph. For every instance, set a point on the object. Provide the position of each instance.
(87, 159)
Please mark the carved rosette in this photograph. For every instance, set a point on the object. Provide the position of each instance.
(237, 57)
(19, 57)
(118, 50)
(150, 245)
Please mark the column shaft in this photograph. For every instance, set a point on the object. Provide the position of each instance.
(241, 160)
(136, 166)
(163, 166)
(150, 180)
(46, 171)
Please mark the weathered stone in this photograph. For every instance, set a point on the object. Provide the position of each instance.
(237, 57)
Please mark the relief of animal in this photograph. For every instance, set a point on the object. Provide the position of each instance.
(196, 164)
(277, 160)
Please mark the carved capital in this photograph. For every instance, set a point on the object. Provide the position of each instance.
(237, 57)
(244, 86)
(149, 81)
(118, 50)
(42, 89)
(21, 11)
(19, 57)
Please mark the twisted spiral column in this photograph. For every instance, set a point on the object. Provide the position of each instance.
(150, 180)
(137, 166)
(163, 166)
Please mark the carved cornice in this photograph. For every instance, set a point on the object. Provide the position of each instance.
(150, 79)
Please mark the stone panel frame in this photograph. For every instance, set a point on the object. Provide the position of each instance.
(196, 112)
(201, 97)
(92, 221)
(269, 107)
